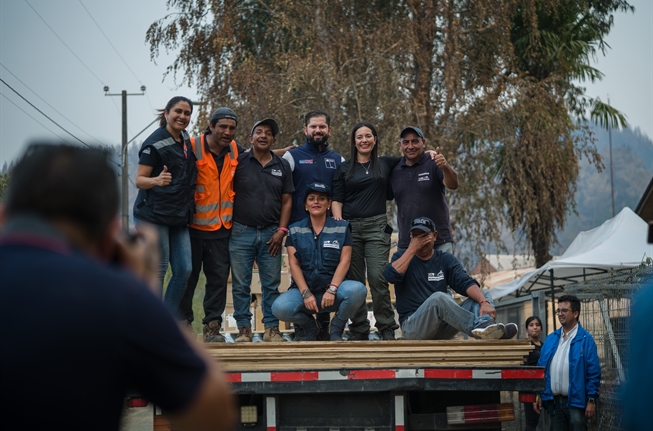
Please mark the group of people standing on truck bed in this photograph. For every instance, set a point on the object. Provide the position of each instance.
(219, 206)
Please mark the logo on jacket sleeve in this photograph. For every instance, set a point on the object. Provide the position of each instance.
(436, 277)
(330, 163)
(332, 244)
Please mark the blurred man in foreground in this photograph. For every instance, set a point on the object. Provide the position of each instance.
(78, 328)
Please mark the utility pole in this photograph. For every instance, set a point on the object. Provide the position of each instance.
(611, 172)
(125, 162)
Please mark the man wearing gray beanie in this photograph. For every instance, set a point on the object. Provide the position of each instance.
(217, 157)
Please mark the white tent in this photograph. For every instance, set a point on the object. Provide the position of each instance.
(618, 243)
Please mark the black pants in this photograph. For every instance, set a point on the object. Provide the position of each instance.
(213, 256)
(532, 418)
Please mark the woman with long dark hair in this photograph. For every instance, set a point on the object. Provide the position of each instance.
(360, 189)
(533, 332)
(166, 181)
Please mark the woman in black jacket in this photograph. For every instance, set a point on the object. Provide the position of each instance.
(166, 181)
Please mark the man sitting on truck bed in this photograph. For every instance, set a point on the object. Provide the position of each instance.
(426, 311)
(68, 275)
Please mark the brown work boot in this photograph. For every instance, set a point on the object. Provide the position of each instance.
(211, 332)
(273, 335)
(244, 334)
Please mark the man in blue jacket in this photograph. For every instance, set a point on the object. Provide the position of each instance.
(573, 370)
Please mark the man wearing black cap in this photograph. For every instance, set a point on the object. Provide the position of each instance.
(419, 182)
(263, 187)
(217, 157)
(426, 311)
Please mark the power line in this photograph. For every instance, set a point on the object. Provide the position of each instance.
(26, 113)
(69, 49)
(107, 38)
(46, 116)
(44, 101)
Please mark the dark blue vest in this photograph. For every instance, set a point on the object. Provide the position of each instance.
(173, 204)
(319, 257)
(311, 166)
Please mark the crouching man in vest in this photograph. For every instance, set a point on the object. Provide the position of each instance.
(217, 158)
(319, 253)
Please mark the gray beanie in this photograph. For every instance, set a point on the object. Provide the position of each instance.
(224, 112)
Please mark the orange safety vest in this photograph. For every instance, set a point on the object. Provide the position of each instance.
(214, 194)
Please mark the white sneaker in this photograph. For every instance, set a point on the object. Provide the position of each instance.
(489, 331)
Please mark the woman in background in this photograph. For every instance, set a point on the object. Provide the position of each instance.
(533, 332)
(165, 178)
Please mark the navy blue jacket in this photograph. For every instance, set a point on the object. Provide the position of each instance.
(584, 367)
(173, 204)
(310, 166)
(318, 256)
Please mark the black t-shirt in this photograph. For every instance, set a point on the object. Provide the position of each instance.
(222, 232)
(425, 277)
(363, 195)
(77, 335)
(259, 188)
(420, 192)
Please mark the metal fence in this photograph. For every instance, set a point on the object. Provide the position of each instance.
(605, 313)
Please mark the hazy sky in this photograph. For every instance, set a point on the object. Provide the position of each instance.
(39, 66)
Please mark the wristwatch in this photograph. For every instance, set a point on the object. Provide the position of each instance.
(591, 400)
(332, 289)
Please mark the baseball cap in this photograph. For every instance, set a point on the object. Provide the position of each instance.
(423, 223)
(224, 112)
(267, 122)
(411, 129)
(317, 187)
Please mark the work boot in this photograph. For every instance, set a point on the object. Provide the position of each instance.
(323, 326)
(388, 334)
(511, 331)
(244, 334)
(211, 332)
(358, 336)
(273, 335)
(337, 327)
(307, 331)
(488, 330)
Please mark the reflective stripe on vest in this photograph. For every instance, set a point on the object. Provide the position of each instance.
(213, 199)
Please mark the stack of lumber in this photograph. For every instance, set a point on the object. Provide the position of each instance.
(361, 354)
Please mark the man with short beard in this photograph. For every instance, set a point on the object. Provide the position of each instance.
(313, 162)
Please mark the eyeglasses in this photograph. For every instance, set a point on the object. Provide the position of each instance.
(562, 310)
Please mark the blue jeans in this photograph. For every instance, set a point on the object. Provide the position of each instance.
(441, 318)
(174, 245)
(567, 418)
(246, 245)
(289, 307)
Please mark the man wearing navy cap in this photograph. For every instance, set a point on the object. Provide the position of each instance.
(426, 310)
(419, 183)
(263, 187)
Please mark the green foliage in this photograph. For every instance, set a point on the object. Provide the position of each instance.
(4, 184)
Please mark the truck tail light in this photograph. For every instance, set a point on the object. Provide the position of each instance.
(137, 402)
(459, 415)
